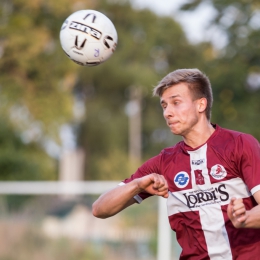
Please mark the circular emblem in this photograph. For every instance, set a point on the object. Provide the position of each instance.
(181, 179)
(218, 172)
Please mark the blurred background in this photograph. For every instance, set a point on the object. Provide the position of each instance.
(63, 122)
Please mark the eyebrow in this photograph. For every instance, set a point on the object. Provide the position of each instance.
(172, 97)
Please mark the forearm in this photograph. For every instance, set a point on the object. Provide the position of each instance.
(253, 218)
(115, 200)
(119, 198)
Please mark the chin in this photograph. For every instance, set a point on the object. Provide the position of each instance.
(176, 132)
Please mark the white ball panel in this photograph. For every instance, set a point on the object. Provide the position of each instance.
(88, 37)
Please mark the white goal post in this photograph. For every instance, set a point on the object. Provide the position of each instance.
(88, 188)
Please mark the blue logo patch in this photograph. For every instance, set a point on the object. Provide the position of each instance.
(181, 180)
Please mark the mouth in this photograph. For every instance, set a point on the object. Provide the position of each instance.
(171, 124)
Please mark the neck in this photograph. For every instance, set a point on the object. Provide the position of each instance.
(199, 135)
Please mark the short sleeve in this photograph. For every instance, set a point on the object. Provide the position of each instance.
(150, 166)
(248, 154)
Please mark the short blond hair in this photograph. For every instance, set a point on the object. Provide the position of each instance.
(197, 82)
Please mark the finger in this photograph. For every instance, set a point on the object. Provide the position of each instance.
(163, 194)
(159, 181)
(156, 180)
(237, 202)
(160, 185)
(232, 201)
(164, 182)
(163, 187)
(241, 218)
(163, 190)
(239, 205)
(239, 212)
(230, 209)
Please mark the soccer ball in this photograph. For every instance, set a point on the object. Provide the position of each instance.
(88, 37)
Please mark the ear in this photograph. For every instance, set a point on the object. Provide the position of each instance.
(202, 104)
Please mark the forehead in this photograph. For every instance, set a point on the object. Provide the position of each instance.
(179, 90)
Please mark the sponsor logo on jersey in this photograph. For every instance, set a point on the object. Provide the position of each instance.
(197, 162)
(199, 177)
(218, 172)
(181, 179)
(199, 198)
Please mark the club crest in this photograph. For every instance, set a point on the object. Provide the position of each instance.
(218, 172)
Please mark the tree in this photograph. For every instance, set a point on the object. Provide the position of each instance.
(39, 83)
(35, 84)
(149, 47)
(19, 161)
(235, 70)
(34, 74)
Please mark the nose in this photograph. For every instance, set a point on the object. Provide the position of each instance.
(167, 113)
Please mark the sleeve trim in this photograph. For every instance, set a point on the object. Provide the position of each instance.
(255, 189)
(138, 199)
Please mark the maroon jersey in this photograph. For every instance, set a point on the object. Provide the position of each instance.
(201, 183)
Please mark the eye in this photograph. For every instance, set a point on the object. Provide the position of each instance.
(163, 105)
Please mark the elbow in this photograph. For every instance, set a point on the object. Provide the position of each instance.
(96, 212)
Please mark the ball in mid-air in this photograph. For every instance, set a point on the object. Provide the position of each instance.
(88, 37)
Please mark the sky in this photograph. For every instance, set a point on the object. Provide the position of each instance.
(159, 6)
(194, 23)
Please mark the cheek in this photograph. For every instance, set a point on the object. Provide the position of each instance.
(183, 110)
(187, 112)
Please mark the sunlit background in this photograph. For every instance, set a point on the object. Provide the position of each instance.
(63, 122)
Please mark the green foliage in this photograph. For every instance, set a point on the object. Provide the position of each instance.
(33, 73)
(148, 48)
(38, 82)
(236, 103)
(22, 162)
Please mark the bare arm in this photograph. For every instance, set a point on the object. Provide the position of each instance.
(242, 218)
(119, 198)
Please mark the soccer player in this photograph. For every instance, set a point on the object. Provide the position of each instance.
(211, 179)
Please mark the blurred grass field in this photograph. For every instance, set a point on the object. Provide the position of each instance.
(51, 228)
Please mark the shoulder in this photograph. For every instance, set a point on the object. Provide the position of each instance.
(234, 135)
(166, 155)
(228, 132)
(172, 154)
(231, 139)
(173, 149)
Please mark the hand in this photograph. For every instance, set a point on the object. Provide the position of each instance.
(237, 212)
(154, 184)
